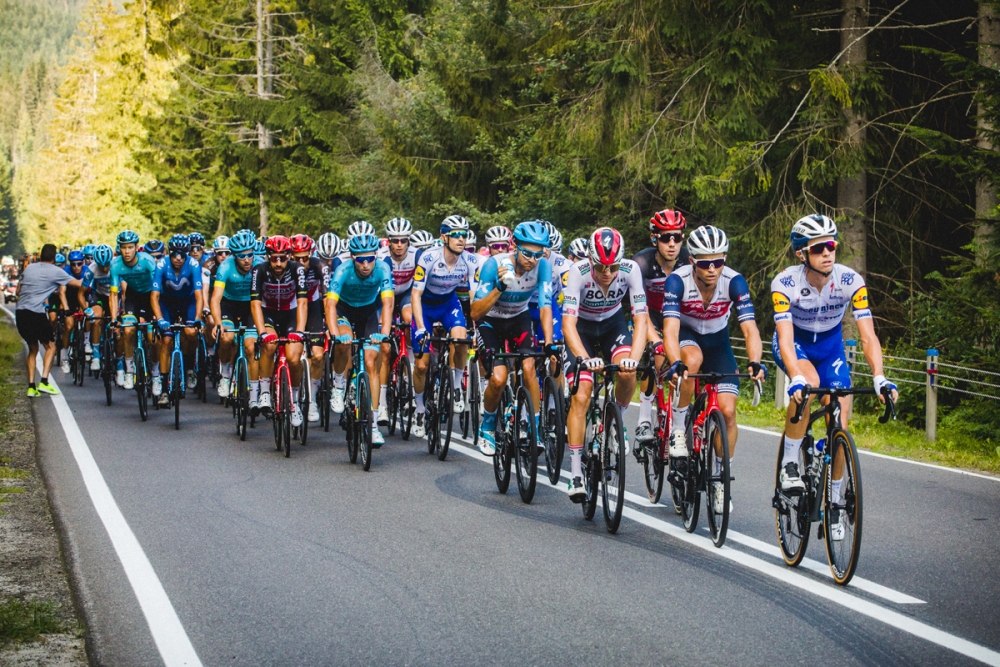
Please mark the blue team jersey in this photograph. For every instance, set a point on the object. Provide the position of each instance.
(347, 286)
(177, 284)
(234, 284)
(97, 279)
(534, 285)
(139, 276)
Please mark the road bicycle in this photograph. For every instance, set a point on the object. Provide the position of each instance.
(239, 393)
(77, 348)
(604, 446)
(706, 468)
(305, 384)
(399, 393)
(281, 397)
(143, 380)
(472, 389)
(176, 377)
(796, 511)
(202, 364)
(357, 418)
(552, 416)
(107, 347)
(654, 454)
(439, 395)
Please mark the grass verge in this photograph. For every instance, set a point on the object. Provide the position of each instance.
(26, 621)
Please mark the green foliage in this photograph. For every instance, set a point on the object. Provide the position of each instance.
(26, 621)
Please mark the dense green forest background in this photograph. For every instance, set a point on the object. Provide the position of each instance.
(308, 114)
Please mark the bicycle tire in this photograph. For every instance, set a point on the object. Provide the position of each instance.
(791, 519)
(552, 429)
(843, 554)
(592, 483)
(276, 413)
(501, 459)
(107, 365)
(654, 456)
(391, 404)
(613, 460)
(365, 421)
(140, 384)
(718, 522)
(242, 402)
(446, 412)
(351, 428)
(286, 410)
(305, 386)
(431, 421)
(526, 453)
(326, 391)
(475, 400)
(201, 368)
(404, 398)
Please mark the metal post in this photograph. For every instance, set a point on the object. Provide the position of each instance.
(780, 390)
(851, 348)
(930, 414)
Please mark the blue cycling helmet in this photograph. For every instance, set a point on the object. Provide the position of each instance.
(128, 236)
(88, 251)
(76, 256)
(259, 247)
(534, 232)
(179, 243)
(60, 258)
(363, 243)
(154, 246)
(103, 254)
(242, 241)
(195, 238)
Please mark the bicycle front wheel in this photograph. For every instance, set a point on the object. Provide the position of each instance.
(525, 442)
(613, 458)
(431, 391)
(404, 397)
(791, 511)
(305, 386)
(653, 459)
(843, 515)
(286, 411)
(552, 428)
(474, 400)
(503, 435)
(717, 487)
(365, 420)
(445, 413)
(140, 384)
(242, 401)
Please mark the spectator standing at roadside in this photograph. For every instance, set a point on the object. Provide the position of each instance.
(38, 281)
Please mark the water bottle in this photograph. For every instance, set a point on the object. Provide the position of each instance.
(819, 444)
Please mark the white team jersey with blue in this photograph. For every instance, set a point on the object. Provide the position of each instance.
(402, 270)
(818, 311)
(533, 285)
(437, 280)
(683, 300)
(475, 263)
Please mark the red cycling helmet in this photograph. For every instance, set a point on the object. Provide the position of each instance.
(302, 243)
(606, 247)
(278, 244)
(667, 220)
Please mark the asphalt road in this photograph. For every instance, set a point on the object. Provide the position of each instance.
(311, 561)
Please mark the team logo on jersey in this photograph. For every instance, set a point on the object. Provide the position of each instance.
(860, 299)
(565, 279)
(787, 281)
(781, 304)
(847, 278)
(477, 275)
(419, 273)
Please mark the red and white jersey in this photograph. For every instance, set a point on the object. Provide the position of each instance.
(402, 270)
(585, 299)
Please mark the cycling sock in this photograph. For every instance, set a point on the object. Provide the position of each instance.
(254, 391)
(265, 386)
(155, 370)
(129, 365)
(791, 452)
(623, 408)
(576, 462)
(382, 398)
(458, 373)
(419, 400)
(645, 408)
(226, 370)
(338, 381)
(680, 414)
(295, 395)
(489, 421)
(835, 490)
(315, 388)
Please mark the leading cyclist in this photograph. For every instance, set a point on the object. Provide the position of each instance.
(230, 308)
(135, 271)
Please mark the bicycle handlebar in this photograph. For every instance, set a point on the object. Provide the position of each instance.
(890, 405)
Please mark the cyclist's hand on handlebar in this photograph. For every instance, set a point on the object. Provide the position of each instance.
(164, 324)
(268, 338)
(757, 371)
(418, 339)
(89, 312)
(342, 339)
(378, 338)
(628, 365)
(882, 384)
(795, 388)
(677, 369)
(593, 363)
(553, 350)
(295, 336)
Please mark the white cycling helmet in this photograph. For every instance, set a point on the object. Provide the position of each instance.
(220, 243)
(421, 239)
(328, 245)
(812, 227)
(398, 227)
(498, 234)
(578, 249)
(360, 227)
(454, 223)
(345, 245)
(555, 239)
(470, 240)
(708, 240)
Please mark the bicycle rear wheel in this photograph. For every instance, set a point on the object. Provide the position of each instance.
(654, 456)
(108, 363)
(525, 442)
(201, 368)
(591, 482)
(242, 400)
(503, 435)
(716, 477)
(843, 553)
(791, 512)
(364, 423)
(445, 413)
(552, 428)
(140, 384)
(305, 386)
(286, 410)
(431, 390)
(276, 413)
(352, 427)
(613, 458)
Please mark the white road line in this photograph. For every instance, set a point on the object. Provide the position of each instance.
(168, 633)
(787, 575)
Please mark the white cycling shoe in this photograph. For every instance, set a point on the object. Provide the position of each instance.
(95, 364)
(129, 382)
(313, 412)
(418, 430)
(718, 493)
(837, 529)
(458, 404)
(225, 386)
(120, 378)
(157, 386)
(337, 399)
(190, 379)
(383, 415)
(64, 366)
(264, 400)
(296, 415)
(790, 479)
(678, 445)
(377, 439)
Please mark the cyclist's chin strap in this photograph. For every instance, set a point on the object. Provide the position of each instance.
(810, 267)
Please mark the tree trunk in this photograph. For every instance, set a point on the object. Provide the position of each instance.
(263, 86)
(986, 195)
(852, 191)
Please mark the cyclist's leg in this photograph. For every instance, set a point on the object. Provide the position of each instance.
(834, 373)
(95, 326)
(266, 363)
(517, 333)
(372, 352)
(315, 323)
(490, 339)
(794, 433)
(648, 389)
(455, 323)
(616, 345)
(719, 358)
(576, 423)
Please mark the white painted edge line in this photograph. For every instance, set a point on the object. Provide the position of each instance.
(787, 575)
(168, 633)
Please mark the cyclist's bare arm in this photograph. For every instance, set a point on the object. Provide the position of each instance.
(671, 338)
(573, 337)
(417, 307)
(301, 313)
(751, 335)
(388, 303)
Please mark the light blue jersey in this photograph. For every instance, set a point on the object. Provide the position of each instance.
(139, 276)
(348, 287)
(536, 283)
(234, 283)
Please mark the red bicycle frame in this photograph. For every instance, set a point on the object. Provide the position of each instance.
(281, 403)
(711, 404)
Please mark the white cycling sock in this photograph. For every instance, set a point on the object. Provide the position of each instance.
(339, 382)
(458, 373)
(419, 400)
(576, 462)
(791, 452)
(382, 399)
(679, 415)
(226, 370)
(315, 388)
(254, 390)
(835, 490)
(645, 408)
(156, 370)
(295, 395)
(623, 408)
(129, 365)
(265, 386)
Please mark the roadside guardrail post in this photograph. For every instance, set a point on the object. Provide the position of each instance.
(780, 390)
(851, 348)
(930, 411)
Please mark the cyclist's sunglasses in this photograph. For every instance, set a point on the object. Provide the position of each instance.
(529, 254)
(609, 268)
(818, 248)
(367, 259)
(499, 246)
(458, 234)
(177, 253)
(76, 263)
(281, 259)
(244, 255)
(400, 240)
(222, 253)
(706, 264)
(671, 237)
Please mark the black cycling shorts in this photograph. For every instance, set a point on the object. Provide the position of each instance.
(316, 320)
(282, 321)
(506, 334)
(33, 327)
(364, 320)
(137, 303)
(606, 339)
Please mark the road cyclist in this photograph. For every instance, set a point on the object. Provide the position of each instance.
(317, 283)
(132, 271)
(401, 258)
(97, 288)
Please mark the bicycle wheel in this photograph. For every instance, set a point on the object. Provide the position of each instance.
(474, 395)
(140, 384)
(791, 512)
(445, 413)
(391, 404)
(176, 377)
(326, 392)
(716, 477)
(364, 423)
(552, 428)
(305, 386)
(108, 363)
(404, 397)
(352, 426)
(431, 422)
(201, 368)
(242, 400)
(286, 410)
(525, 443)
(503, 435)
(613, 459)
(591, 482)
(843, 553)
